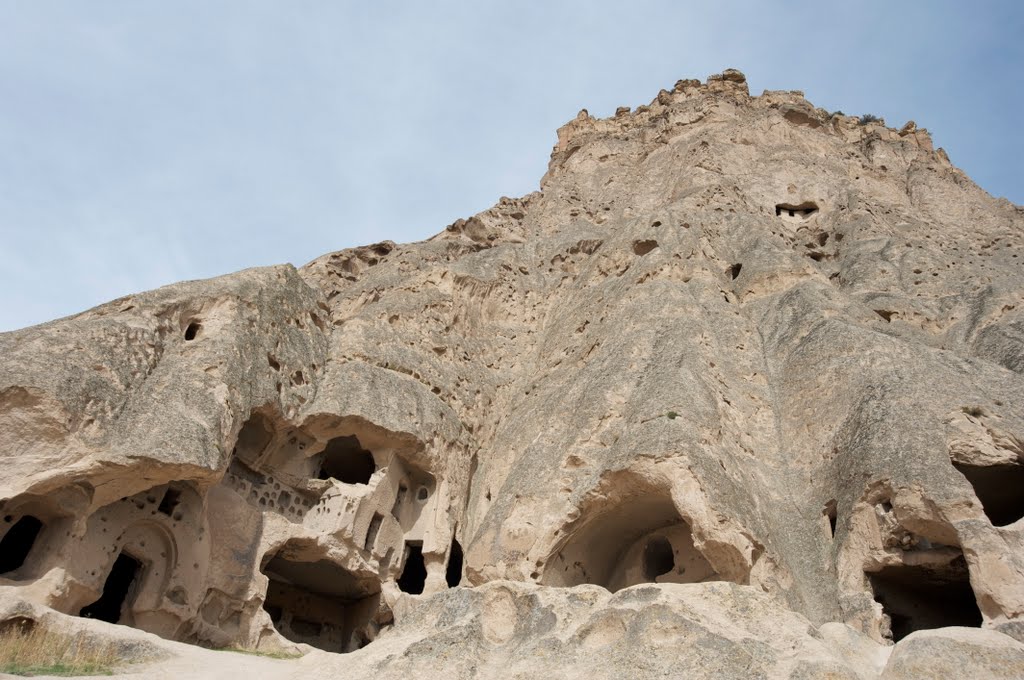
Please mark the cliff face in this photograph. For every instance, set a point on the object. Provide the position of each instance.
(731, 339)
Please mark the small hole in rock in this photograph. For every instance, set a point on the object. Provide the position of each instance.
(641, 248)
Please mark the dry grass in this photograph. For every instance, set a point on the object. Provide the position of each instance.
(256, 652)
(26, 649)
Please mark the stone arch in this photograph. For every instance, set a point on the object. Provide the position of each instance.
(136, 575)
(154, 546)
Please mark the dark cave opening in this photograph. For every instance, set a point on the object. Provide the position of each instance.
(659, 558)
(998, 487)
(346, 460)
(116, 590)
(639, 540)
(169, 502)
(320, 604)
(414, 573)
(453, 572)
(804, 210)
(17, 543)
(918, 597)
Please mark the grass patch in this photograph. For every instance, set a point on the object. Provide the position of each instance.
(256, 652)
(27, 649)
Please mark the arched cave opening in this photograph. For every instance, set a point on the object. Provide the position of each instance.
(118, 590)
(921, 597)
(998, 487)
(641, 540)
(347, 461)
(17, 542)
(414, 573)
(321, 604)
(453, 572)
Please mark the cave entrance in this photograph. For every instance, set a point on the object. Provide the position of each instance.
(346, 460)
(414, 573)
(120, 584)
(659, 558)
(17, 543)
(919, 597)
(320, 604)
(798, 212)
(641, 540)
(453, 573)
(998, 487)
(254, 438)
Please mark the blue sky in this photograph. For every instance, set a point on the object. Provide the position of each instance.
(144, 142)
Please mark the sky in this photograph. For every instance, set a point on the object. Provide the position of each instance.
(144, 142)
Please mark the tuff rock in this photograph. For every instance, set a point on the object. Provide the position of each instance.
(737, 393)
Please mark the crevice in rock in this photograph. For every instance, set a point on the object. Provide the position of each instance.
(829, 515)
(453, 572)
(885, 314)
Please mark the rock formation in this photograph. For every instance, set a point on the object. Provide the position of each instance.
(738, 392)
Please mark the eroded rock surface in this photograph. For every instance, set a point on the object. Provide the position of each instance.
(732, 339)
